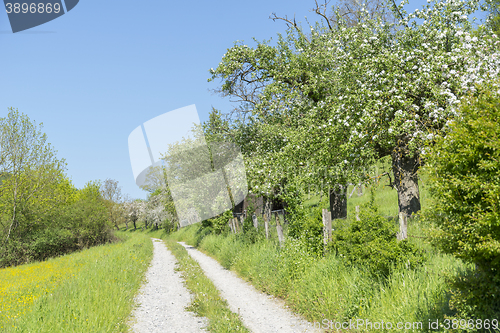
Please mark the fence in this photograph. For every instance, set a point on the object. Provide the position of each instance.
(236, 224)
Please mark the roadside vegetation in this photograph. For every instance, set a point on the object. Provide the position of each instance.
(324, 108)
(325, 283)
(42, 214)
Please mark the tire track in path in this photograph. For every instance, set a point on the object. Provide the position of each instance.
(163, 298)
(259, 312)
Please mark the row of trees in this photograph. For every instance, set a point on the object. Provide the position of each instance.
(368, 81)
(41, 213)
(327, 101)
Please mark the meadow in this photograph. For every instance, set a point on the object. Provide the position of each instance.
(88, 291)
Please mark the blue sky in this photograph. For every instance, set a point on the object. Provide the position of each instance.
(96, 73)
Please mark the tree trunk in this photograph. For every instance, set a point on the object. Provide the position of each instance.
(405, 169)
(338, 202)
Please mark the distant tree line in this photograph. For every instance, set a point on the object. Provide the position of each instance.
(42, 214)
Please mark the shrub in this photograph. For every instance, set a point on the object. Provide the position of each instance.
(72, 226)
(87, 219)
(464, 167)
(250, 235)
(218, 224)
(169, 225)
(371, 244)
(311, 236)
(52, 242)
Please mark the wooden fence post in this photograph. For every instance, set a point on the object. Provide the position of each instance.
(403, 227)
(266, 225)
(241, 222)
(236, 224)
(360, 190)
(279, 230)
(327, 226)
(357, 213)
(267, 217)
(231, 225)
(255, 222)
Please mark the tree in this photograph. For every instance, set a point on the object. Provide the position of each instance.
(87, 217)
(377, 88)
(493, 8)
(134, 210)
(155, 212)
(464, 166)
(112, 195)
(279, 88)
(351, 11)
(30, 173)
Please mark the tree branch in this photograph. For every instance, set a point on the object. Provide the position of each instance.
(318, 11)
(289, 23)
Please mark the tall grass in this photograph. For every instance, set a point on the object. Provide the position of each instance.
(89, 291)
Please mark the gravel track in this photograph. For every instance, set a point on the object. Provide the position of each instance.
(163, 298)
(259, 312)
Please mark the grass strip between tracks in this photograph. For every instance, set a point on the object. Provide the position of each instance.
(207, 301)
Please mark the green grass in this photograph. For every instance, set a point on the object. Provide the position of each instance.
(88, 291)
(326, 288)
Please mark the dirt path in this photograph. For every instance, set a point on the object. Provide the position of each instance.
(163, 298)
(259, 312)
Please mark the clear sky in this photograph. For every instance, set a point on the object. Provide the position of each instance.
(96, 73)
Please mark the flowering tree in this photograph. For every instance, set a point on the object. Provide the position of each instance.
(155, 212)
(134, 210)
(375, 89)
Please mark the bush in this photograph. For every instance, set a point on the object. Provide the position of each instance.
(312, 233)
(371, 244)
(71, 226)
(52, 242)
(250, 235)
(464, 167)
(87, 219)
(219, 223)
(169, 226)
(304, 224)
